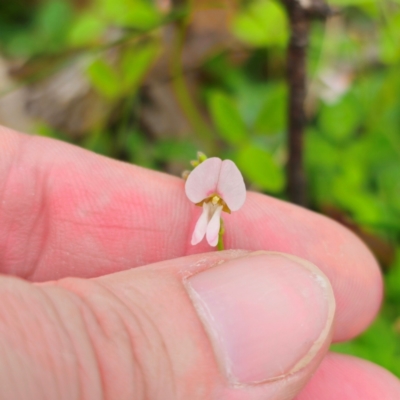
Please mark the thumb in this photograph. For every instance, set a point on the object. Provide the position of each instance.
(226, 325)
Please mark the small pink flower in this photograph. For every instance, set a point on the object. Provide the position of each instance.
(217, 186)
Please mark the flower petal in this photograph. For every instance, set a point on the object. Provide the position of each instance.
(213, 227)
(202, 181)
(201, 226)
(231, 186)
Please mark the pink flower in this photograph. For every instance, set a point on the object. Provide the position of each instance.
(217, 186)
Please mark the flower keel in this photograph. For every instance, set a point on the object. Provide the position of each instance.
(213, 227)
(201, 226)
(208, 224)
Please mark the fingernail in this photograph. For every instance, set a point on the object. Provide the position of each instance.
(267, 314)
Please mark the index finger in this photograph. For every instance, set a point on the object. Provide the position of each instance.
(67, 212)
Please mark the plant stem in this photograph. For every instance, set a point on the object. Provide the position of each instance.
(221, 232)
(297, 76)
(300, 15)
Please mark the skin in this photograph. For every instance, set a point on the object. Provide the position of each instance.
(78, 321)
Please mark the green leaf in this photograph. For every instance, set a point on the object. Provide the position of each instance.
(140, 151)
(249, 95)
(104, 79)
(52, 22)
(365, 208)
(136, 63)
(260, 169)
(273, 114)
(339, 121)
(139, 14)
(23, 44)
(87, 29)
(321, 169)
(262, 23)
(100, 142)
(393, 279)
(387, 177)
(389, 39)
(315, 145)
(174, 150)
(227, 119)
(350, 2)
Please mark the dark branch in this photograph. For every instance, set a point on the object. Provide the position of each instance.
(300, 13)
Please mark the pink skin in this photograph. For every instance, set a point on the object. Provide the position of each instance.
(65, 212)
(345, 377)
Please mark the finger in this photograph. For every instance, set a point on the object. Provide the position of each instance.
(349, 378)
(68, 212)
(223, 326)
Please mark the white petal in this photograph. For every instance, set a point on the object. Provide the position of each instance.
(213, 227)
(231, 186)
(202, 181)
(201, 226)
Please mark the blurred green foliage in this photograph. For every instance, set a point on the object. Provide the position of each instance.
(352, 143)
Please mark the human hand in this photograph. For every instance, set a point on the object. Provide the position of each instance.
(82, 323)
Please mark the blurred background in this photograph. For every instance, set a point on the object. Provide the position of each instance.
(152, 82)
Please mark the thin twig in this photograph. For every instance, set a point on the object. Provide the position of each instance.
(300, 13)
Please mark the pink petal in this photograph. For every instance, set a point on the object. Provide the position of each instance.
(201, 226)
(231, 186)
(202, 181)
(213, 227)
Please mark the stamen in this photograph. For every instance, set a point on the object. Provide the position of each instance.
(215, 200)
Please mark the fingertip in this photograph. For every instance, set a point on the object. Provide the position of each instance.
(349, 378)
(347, 262)
(268, 315)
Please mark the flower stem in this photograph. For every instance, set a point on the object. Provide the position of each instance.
(220, 236)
